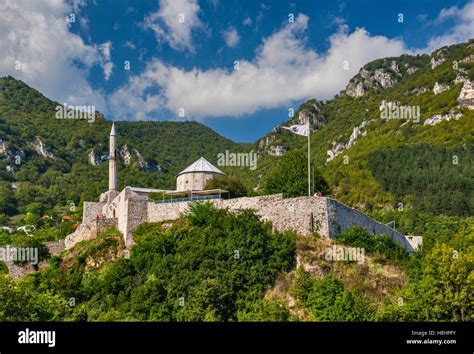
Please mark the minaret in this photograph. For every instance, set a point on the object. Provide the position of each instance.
(113, 179)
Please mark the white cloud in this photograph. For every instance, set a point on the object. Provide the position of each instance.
(247, 21)
(84, 22)
(283, 70)
(106, 62)
(134, 99)
(422, 17)
(461, 31)
(36, 35)
(77, 5)
(231, 37)
(174, 23)
(129, 44)
(445, 14)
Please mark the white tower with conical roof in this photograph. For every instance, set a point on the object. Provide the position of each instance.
(113, 179)
(195, 176)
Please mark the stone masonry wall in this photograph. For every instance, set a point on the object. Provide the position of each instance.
(165, 211)
(137, 214)
(19, 271)
(325, 216)
(342, 217)
(285, 214)
(105, 224)
(90, 211)
(303, 214)
(196, 180)
(129, 210)
(88, 229)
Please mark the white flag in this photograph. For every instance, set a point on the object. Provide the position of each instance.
(299, 129)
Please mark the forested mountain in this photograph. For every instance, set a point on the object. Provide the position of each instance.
(400, 137)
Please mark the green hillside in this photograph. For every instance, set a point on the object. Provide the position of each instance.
(396, 163)
(156, 152)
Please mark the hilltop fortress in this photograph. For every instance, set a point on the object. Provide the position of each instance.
(129, 208)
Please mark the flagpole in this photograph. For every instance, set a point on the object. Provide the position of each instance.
(309, 164)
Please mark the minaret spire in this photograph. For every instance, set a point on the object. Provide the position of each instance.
(113, 179)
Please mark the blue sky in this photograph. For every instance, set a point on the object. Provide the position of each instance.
(182, 53)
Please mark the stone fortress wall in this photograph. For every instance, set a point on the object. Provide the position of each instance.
(341, 217)
(285, 214)
(305, 215)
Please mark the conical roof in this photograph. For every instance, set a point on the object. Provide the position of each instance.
(112, 131)
(201, 165)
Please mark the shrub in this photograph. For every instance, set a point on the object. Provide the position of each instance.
(383, 244)
(290, 177)
(229, 183)
(264, 311)
(329, 301)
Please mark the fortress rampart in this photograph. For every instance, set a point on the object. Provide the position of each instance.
(306, 215)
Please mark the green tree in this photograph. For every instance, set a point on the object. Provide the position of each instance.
(443, 293)
(264, 311)
(329, 301)
(7, 200)
(208, 301)
(383, 244)
(34, 211)
(290, 176)
(21, 302)
(229, 183)
(451, 275)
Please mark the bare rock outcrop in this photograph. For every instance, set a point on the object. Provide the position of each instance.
(141, 162)
(356, 89)
(438, 58)
(93, 159)
(40, 148)
(468, 59)
(466, 96)
(125, 153)
(438, 118)
(411, 70)
(438, 88)
(277, 150)
(338, 148)
(311, 113)
(460, 79)
(378, 79)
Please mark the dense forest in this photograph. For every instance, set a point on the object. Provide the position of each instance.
(433, 176)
